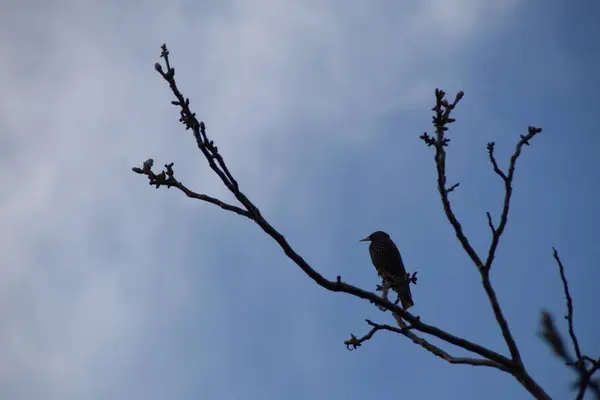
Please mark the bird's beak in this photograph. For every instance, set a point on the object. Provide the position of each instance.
(367, 239)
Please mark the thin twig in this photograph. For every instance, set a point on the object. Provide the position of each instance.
(569, 299)
(451, 188)
(508, 179)
(355, 342)
(490, 223)
(490, 148)
(163, 179)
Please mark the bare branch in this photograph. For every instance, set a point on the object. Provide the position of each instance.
(167, 178)
(550, 334)
(497, 233)
(490, 148)
(438, 352)
(384, 288)
(508, 179)
(188, 118)
(451, 188)
(569, 300)
(355, 342)
(500, 319)
(408, 322)
(441, 119)
(210, 152)
(405, 330)
(490, 223)
(586, 381)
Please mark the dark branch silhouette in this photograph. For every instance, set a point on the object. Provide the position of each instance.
(355, 342)
(210, 152)
(409, 324)
(552, 336)
(569, 315)
(442, 118)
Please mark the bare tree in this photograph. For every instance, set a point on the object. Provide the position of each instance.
(409, 325)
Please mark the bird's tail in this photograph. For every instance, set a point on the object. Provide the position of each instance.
(406, 299)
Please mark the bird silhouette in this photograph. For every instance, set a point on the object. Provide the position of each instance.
(388, 262)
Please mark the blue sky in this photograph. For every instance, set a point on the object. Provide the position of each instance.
(111, 289)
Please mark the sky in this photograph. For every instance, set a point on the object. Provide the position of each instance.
(111, 289)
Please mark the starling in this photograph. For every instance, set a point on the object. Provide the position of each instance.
(388, 263)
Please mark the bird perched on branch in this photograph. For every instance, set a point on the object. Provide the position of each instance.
(388, 263)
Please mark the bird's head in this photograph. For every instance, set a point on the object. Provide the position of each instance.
(378, 236)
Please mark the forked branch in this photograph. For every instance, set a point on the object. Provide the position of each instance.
(408, 323)
(407, 330)
(439, 141)
(249, 210)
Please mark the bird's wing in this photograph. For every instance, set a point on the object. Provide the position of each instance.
(394, 261)
(386, 259)
(396, 269)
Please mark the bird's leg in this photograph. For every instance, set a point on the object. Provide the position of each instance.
(385, 288)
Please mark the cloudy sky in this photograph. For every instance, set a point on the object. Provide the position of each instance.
(110, 289)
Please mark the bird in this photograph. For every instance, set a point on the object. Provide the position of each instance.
(388, 262)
